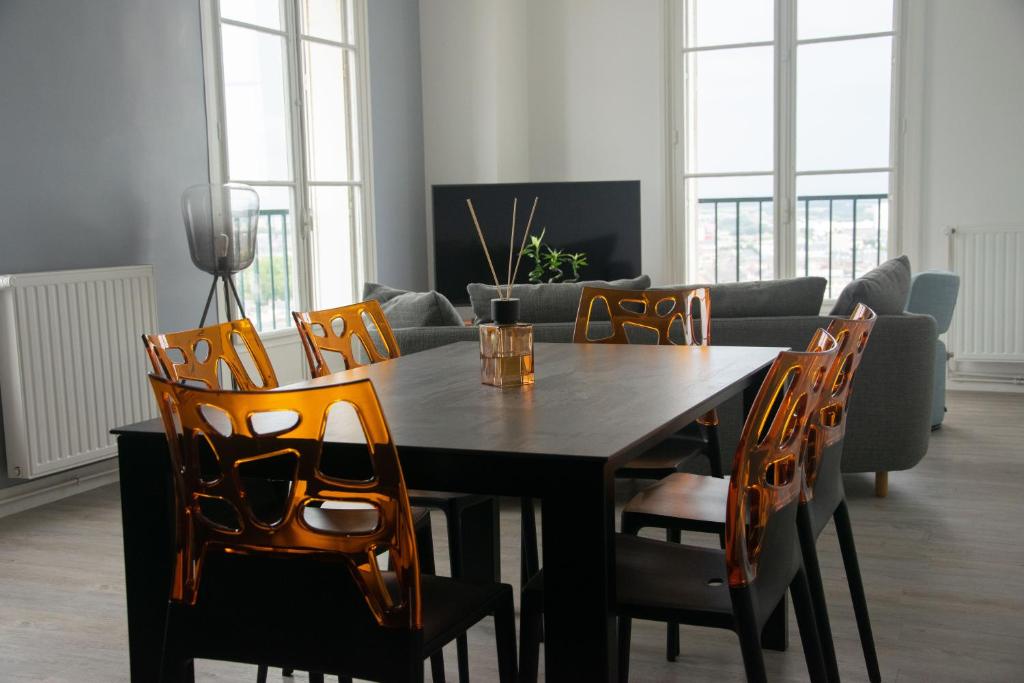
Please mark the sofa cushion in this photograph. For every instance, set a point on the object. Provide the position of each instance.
(884, 289)
(547, 302)
(413, 309)
(765, 298)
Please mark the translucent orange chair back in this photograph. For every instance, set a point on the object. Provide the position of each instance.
(198, 355)
(827, 424)
(766, 480)
(657, 310)
(217, 438)
(337, 329)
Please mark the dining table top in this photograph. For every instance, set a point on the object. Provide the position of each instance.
(589, 401)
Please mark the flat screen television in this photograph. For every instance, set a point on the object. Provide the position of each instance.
(599, 218)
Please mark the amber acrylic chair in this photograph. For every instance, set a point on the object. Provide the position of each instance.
(686, 502)
(300, 586)
(359, 334)
(737, 587)
(679, 317)
(202, 356)
(209, 357)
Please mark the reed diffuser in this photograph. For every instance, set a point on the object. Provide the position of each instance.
(506, 345)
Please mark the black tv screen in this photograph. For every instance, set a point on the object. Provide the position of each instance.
(599, 218)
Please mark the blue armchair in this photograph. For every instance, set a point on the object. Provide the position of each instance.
(934, 292)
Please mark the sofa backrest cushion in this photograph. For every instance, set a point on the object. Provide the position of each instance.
(413, 309)
(765, 298)
(547, 302)
(884, 289)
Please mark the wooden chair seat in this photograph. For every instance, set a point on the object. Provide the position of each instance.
(686, 502)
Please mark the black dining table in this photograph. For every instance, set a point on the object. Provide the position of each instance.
(592, 409)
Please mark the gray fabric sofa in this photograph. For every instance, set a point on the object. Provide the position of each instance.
(890, 413)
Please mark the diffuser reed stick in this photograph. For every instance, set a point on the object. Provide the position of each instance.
(522, 246)
(483, 243)
(511, 246)
(507, 294)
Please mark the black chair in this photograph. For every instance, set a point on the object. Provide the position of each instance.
(739, 587)
(359, 334)
(686, 502)
(662, 316)
(300, 586)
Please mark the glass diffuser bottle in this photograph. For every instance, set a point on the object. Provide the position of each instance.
(506, 347)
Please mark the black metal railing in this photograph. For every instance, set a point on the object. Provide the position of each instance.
(838, 236)
(266, 286)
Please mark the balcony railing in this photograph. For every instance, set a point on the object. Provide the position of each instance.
(838, 237)
(266, 287)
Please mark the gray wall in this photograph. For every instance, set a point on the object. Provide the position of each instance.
(397, 121)
(101, 127)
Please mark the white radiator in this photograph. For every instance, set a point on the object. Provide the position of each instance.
(72, 364)
(987, 333)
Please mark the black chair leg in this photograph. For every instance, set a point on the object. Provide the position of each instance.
(529, 559)
(261, 674)
(455, 554)
(775, 634)
(804, 608)
(750, 637)
(672, 628)
(531, 617)
(810, 554)
(714, 450)
(529, 563)
(436, 668)
(425, 547)
(860, 602)
(175, 666)
(315, 677)
(505, 637)
(625, 636)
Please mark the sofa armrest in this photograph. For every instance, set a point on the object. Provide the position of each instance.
(889, 421)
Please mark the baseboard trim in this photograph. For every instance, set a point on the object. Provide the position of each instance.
(26, 496)
(991, 387)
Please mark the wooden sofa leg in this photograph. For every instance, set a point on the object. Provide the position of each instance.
(881, 484)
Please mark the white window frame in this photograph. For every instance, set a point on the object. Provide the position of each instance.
(364, 237)
(683, 208)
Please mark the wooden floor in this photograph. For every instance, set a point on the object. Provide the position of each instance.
(942, 558)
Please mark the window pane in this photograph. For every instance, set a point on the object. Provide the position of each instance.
(843, 92)
(269, 287)
(735, 239)
(724, 22)
(842, 226)
(821, 18)
(327, 19)
(330, 113)
(336, 222)
(732, 109)
(256, 104)
(260, 12)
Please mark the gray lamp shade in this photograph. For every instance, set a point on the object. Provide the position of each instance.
(221, 223)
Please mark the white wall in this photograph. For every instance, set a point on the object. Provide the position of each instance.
(597, 105)
(536, 90)
(972, 119)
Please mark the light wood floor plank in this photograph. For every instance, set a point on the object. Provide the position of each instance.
(942, 558)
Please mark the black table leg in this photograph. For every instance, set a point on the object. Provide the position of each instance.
(146, 525)
(579, 576)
